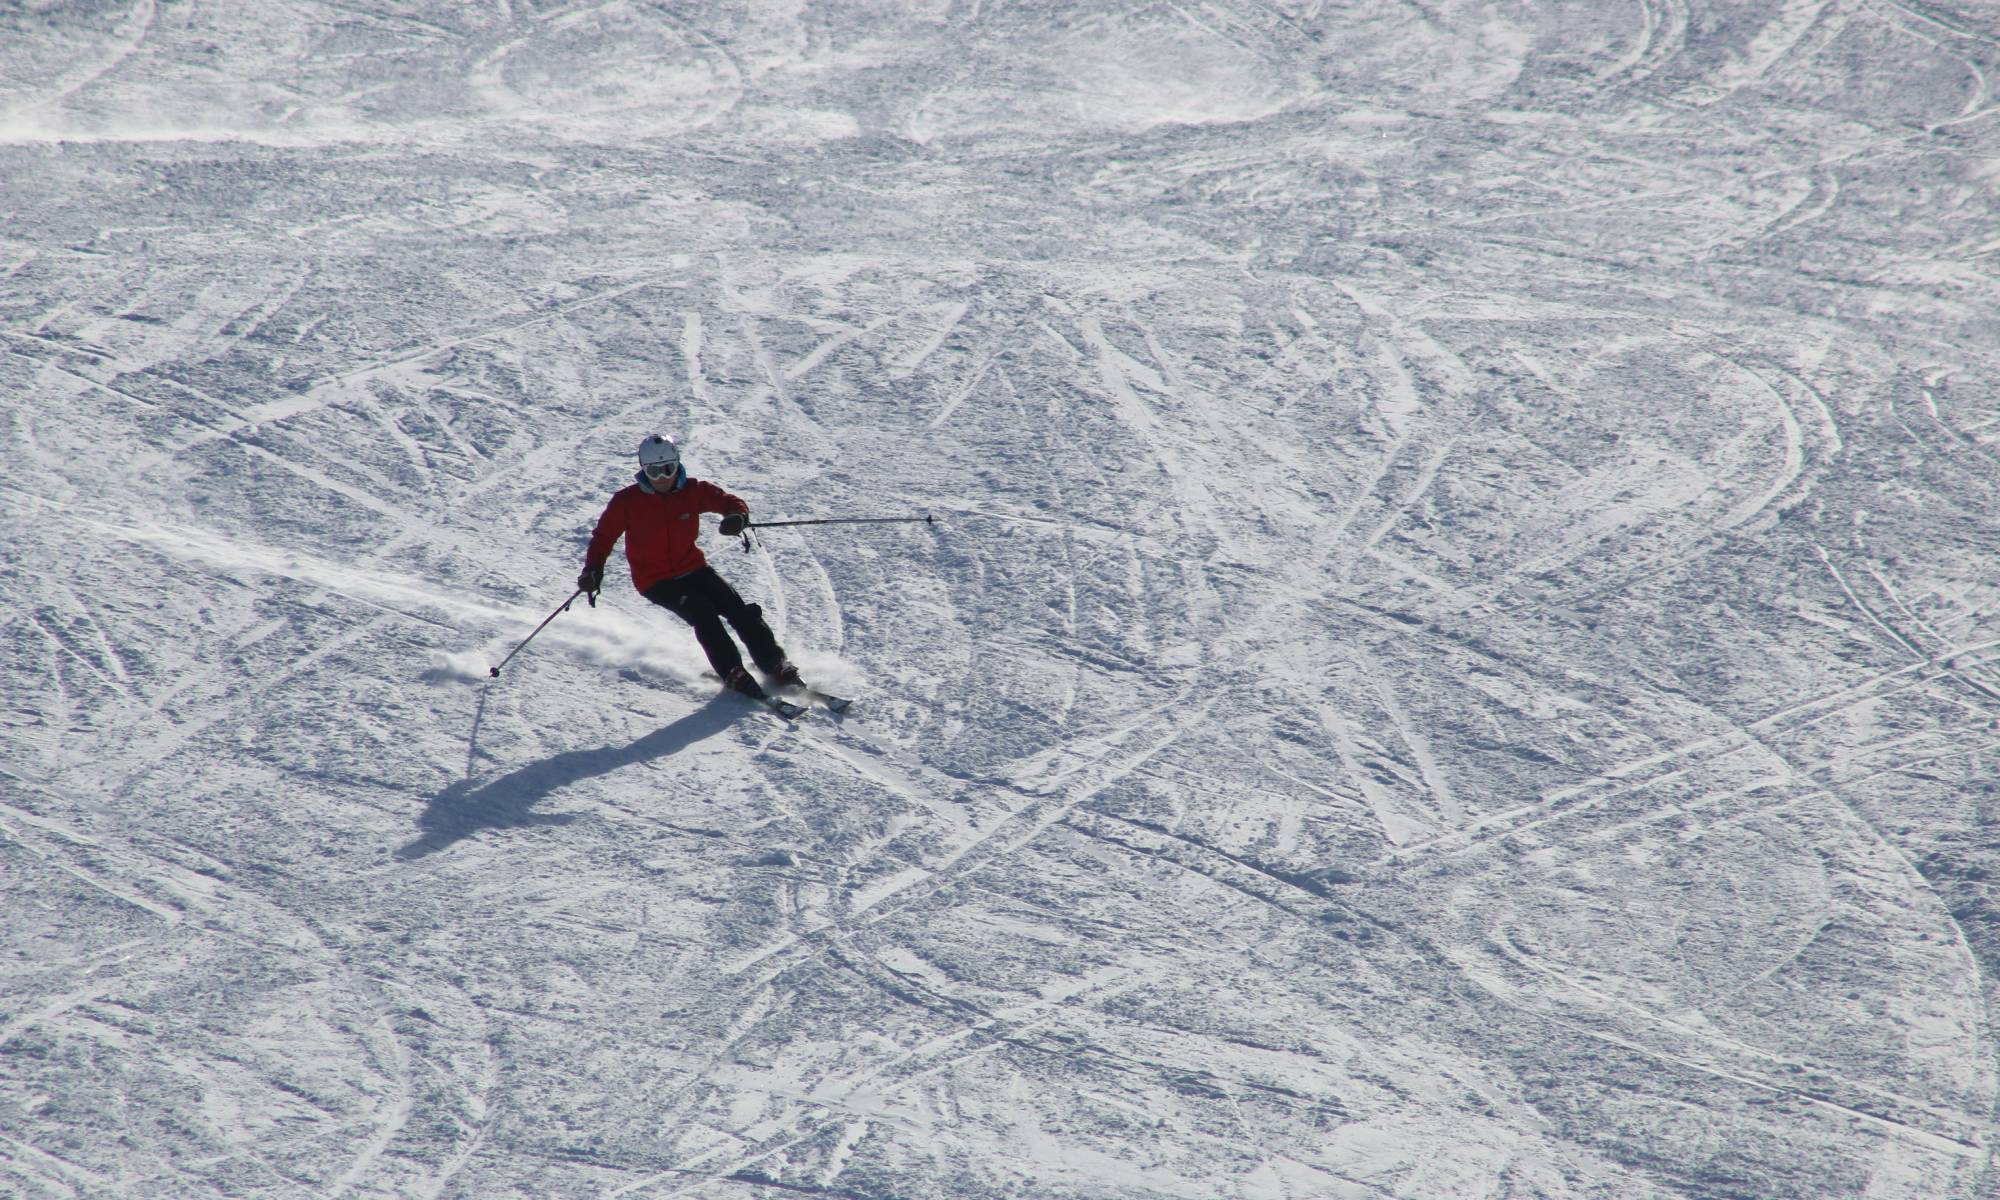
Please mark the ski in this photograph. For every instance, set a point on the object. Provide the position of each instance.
(833, 703)
(784, 708)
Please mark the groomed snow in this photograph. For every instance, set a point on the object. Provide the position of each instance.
(1457, 659)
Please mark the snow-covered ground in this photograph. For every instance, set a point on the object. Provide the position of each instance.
(1459, 656)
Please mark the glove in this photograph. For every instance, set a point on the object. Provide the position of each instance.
(591, 580)
(733, 524)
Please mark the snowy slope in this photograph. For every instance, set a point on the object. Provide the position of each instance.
(1458, 658)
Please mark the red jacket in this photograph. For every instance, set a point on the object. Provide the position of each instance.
(659, 529)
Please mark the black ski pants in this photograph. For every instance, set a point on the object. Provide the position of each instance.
(705, 600)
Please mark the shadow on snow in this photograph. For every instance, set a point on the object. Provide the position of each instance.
(464, 808)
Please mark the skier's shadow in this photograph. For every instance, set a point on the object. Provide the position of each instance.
(508, 802)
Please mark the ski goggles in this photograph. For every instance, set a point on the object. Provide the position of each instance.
(661, 470)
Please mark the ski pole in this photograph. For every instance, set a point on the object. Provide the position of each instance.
(926, 519)
(560, 610)
(750, 525)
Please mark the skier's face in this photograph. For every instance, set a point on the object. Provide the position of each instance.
(661, 472)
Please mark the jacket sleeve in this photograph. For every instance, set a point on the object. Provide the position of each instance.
(713, 499)
(610, 527)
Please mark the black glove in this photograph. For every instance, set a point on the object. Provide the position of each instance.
(733, 524)
(591, 580)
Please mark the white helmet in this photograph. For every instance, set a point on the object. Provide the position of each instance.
(659, 459)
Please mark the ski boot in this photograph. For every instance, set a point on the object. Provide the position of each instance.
(739, 680)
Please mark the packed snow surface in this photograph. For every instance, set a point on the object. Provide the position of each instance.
(1459, 653)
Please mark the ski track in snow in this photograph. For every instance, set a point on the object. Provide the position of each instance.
(1457, 654)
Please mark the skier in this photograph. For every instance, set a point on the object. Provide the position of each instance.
(659, 516)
